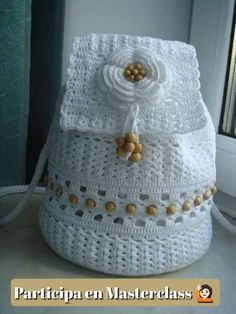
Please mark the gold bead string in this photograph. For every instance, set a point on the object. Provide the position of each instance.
(131, 208)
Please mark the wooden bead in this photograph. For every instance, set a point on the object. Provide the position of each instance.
(73, 199)
(110, 206)
(59, 191)
(151, 210)
(206, 195)
(138, 66)
(138, 148)
(186, 206)
(131, 78)
(129, 147)
(131, 137)
(127, 72)
(131, 208)
(139, 77)
(120, 141)
(135, 157)
(90, 203)
(197, 201)
(135, 72)
(213, 189)
(130, 67)
(171, 209)
(120, 152)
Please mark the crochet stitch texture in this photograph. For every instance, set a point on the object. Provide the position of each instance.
(113, 215)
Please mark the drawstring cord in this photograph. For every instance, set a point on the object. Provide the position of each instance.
(131, 120)
(26, 189)
(32, 187)
(130, 125)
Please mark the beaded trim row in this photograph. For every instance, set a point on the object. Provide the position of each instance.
(131, 208)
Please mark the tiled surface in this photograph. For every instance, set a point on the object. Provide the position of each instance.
(23, 253)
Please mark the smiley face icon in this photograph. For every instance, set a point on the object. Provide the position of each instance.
(204, 293)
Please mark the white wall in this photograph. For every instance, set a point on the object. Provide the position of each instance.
(167, 19)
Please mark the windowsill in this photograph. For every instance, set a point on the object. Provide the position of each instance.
(226, 143)
(25, 254)
(225, 164)
(224, 200)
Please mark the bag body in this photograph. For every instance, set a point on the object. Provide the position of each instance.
(132, 158)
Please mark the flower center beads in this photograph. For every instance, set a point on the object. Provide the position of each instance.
(129, 146)
(135, 72)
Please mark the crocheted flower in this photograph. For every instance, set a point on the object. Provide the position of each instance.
(133, 76)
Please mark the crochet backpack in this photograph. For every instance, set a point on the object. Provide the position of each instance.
(131, 159)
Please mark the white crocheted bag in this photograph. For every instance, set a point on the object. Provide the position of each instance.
(131, 159)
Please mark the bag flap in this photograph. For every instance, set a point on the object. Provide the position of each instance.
(98, 96)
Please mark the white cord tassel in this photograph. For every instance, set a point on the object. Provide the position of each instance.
(131, 120)
(131, 124)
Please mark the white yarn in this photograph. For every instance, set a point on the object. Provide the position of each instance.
(32, 188)
(146, 92)
(27, 189)
(122, 253)
(166, 111)
(174, 79)
(168, 115)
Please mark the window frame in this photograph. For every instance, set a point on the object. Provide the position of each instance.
(232, 36)
(210, 33)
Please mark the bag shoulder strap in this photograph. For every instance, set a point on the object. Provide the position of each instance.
(26, 189)
(32, 187)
